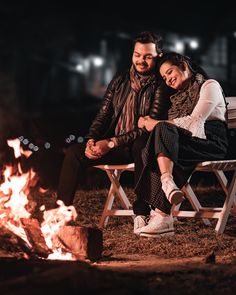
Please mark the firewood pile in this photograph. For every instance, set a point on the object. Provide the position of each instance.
(82, 242)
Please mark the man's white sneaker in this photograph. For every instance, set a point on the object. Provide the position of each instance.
(139, 223)
(173, 193)
(158, 225)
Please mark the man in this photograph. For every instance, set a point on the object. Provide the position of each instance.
(114, 136)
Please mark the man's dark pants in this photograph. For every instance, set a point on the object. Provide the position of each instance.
(75, 164)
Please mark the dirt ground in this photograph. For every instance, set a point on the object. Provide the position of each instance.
(177, 275)
(194, 261)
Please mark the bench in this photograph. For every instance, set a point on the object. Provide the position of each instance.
(229, 188)
(217, 167)
(220, 213)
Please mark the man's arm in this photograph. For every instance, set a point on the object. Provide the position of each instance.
(104, 116)
(158, 110)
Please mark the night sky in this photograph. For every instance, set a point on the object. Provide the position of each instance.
(192, 17)
(36, 36)
(38, 25)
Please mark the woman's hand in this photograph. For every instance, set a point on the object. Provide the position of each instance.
(141, 121)
(147, 122)
(150, 123)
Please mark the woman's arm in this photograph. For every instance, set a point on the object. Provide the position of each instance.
(210, 96)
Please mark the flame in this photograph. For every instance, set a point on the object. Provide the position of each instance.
(14, 193)
(14, 188)
(54, 219)
(18, 151)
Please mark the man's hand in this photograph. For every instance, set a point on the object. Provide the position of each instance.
(89, 153)
(95, 150)
(101, 147)
(90, 143)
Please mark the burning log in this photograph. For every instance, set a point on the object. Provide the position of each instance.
(35, 237)
(83, 242)
(13, 245)
(17, 245)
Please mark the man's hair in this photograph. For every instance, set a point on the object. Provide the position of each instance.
(150, 37)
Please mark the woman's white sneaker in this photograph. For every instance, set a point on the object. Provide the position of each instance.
(158, 225)
(139, 223)
(173, 193)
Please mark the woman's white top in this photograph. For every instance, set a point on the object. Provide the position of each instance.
(210, 106)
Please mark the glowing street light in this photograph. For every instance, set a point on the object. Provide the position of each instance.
(98, 61)
(79, 68)
(179, 46)
(193, 44)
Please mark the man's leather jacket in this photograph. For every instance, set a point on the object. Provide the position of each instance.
(153, 100)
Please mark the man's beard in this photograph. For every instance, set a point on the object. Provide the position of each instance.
(143, 73)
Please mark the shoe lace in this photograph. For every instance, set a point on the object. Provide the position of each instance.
(151, 217)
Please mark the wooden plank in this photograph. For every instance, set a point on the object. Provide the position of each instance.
(35, 237)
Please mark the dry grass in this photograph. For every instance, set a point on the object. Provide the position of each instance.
(192, 237)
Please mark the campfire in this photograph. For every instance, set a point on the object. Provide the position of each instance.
(52, 238)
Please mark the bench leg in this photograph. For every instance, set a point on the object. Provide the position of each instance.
(116, 190)
(114, 177)
(108, 205)
(229, 201)
(194, 201)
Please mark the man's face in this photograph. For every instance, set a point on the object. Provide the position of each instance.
(144, 57)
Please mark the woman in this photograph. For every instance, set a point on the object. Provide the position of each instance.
(195, 131)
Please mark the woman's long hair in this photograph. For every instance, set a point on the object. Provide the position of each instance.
(178, 60)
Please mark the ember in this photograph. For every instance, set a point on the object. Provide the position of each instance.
(46, 240)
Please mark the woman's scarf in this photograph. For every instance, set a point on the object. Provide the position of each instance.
(184, 101)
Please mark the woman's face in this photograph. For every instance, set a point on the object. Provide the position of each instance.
(174, 76)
